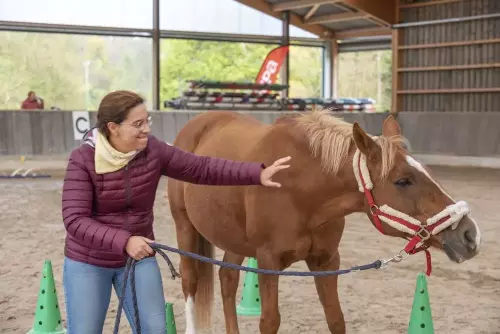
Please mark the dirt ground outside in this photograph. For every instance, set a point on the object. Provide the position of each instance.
(465, 298)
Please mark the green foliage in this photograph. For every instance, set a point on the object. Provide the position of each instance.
(29, 62)
(74, 72)
(366, 74)
(183, 60)
(195, 60)
(54, 66)
(306, 69)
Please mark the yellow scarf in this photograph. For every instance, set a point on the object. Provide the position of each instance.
(107, 159)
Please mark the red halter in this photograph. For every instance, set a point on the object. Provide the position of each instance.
(401, 221)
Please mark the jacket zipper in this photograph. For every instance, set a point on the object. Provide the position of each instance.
(128, 196)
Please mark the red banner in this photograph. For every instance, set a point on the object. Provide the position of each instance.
(271, 66)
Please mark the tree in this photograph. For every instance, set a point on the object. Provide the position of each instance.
(71, 71)
(34, 62)
(365, 74)
(183, 60)
(306, 69)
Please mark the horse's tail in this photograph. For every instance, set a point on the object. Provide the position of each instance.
(205, 290)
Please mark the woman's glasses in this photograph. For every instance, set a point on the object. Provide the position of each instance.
(139, 125)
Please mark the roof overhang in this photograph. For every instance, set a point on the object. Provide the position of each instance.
(334, 19)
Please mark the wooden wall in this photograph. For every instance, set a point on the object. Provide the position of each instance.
(459, 134)
(46, 133)
(447, 66)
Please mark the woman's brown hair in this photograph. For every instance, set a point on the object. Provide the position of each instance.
(114, 107)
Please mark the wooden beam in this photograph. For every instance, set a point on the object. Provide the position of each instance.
(378, 21)
(363, 33)
(311, 12)
(450, 91)
(428, 3)
(295, 19)
(296, 4)
(448, 44)
(449, 67)
(381, 9)
(336, 18)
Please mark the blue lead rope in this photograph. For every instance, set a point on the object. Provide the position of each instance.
(130, 267)
(374, 265)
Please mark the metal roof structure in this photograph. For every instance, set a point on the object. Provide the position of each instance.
(334, 19)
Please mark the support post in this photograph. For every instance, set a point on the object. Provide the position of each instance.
(397, 37)
(285, 69)
(156, 55)
(330, 69)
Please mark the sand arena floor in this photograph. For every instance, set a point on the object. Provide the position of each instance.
(465, 298)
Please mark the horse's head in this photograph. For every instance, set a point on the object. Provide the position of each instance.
(404, 200)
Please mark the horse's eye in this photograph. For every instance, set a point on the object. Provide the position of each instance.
(403, 183)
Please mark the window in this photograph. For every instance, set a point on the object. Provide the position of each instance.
(306, 68)
(183, 60)
(78, 78)
(366, 74)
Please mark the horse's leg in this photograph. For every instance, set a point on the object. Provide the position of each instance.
(187, 239)
(229, 279)
(268, 285)
(327, 289)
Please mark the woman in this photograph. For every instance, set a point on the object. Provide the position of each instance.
(107, 207)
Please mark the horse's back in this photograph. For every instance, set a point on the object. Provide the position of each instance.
(212, 130)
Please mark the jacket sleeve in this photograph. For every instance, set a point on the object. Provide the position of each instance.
(185, 166)
(77, 199)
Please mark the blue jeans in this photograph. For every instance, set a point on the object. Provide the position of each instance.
(87, 291)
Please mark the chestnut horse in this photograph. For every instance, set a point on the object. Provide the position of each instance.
(336, 169)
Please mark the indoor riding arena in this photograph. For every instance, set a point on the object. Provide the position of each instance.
(433, 65)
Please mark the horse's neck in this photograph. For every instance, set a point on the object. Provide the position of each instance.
(334, 195)
(313, 184)
(344, 187)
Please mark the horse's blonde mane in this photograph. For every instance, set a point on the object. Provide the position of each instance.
(330, 139)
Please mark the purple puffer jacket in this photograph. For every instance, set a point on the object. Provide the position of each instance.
(101, 212)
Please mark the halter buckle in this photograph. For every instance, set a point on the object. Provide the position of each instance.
(372, 208)
(423, 234)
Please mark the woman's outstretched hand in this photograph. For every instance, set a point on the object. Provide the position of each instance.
(267, 174)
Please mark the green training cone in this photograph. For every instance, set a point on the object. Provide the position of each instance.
(171, 327)
(47, 314)
(421, 315)
(250, 301)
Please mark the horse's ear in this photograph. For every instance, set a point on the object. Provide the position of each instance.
(391, 127)
(365, 143)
